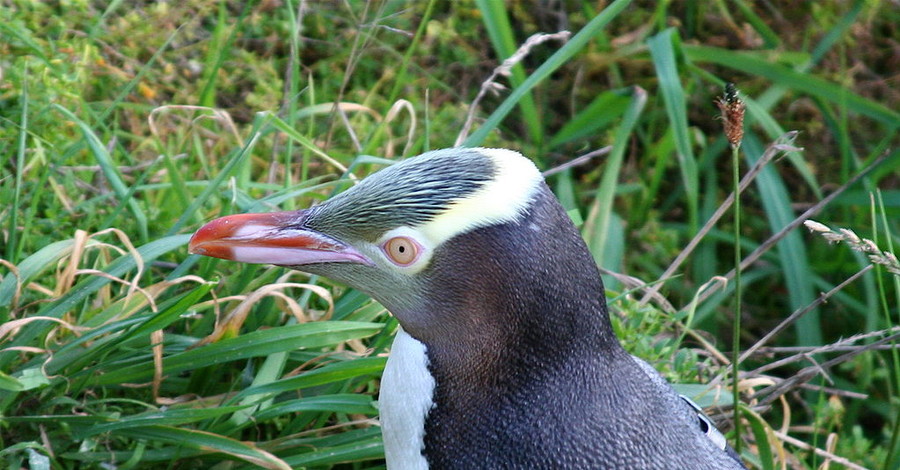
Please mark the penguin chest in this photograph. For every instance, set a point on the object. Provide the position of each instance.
(406, 397)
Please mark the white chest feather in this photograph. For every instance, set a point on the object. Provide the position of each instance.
(407, 389)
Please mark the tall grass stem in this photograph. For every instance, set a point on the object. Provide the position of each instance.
(736, 333)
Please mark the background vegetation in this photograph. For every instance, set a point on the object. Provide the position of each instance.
(125, 125)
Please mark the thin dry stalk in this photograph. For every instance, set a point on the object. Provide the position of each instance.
(350, 131)
(367, 422)
(14, 271)
(324, 156)
(835, 391)
(121, 168)
(157, 338)
(234, 319)
(67, 277)
(12, 327)
(822, 453)
(815, 209)
(392, 114)
(220, 116)
(577, 161)
(783, 144)
(343, 108)
(633, 283)
(132, 286)
(845, 345)
(806, 374)
(359, 42)
(793, 317)
(504, 69)
(772, 350)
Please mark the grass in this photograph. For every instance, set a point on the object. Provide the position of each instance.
(129, 125)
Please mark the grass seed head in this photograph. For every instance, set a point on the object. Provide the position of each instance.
(732, 107)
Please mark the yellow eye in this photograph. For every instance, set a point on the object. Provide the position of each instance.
(401, 250)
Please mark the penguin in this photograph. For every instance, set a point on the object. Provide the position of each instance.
(505, 357)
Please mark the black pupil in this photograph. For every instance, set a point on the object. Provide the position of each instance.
(401, 248)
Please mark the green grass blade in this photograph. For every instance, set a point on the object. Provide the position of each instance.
(836, 33)
(662, 50)
(294, 134)
(602, 111)
(33, 266)
(167, 417)
(98, 150)
(10, 384)
(496, 21)
(763, 435)
(83, 289)
(208, 442)
(254, 344)
(401, 72)
(144, 70)
(597, 229)
(791, 250)
(337, 403)
(757, 65)
(12, 242)
(879, 215)
(215, 56)
(774, 94)
(560, 57)
(97, 342)
(226, 171)
(759, 115)
(327, 374)
(21, 34)
(770, 38)
(364, 449)
(170, 314)
(271, 369)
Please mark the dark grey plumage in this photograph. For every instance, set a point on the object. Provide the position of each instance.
(545, 383)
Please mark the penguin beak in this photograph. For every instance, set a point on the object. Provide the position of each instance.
(272, 238)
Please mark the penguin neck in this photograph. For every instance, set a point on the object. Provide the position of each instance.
(510, 315)
(533, 297)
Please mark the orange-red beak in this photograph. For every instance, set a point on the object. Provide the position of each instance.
(272, 238)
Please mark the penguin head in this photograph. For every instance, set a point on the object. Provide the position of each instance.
(398, 234)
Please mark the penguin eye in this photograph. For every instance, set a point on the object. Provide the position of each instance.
(402, 251)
